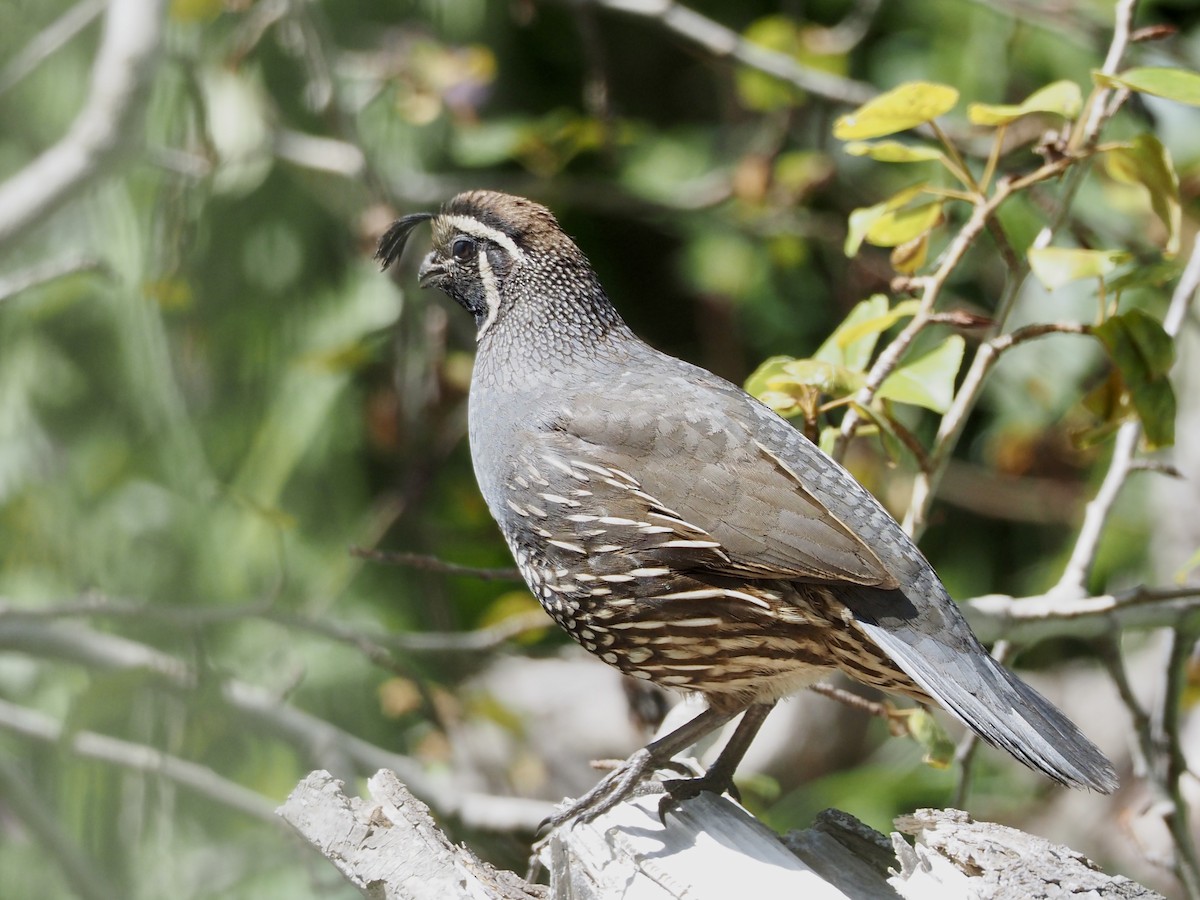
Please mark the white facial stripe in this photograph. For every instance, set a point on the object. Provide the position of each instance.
(491, 293)
(475, 228)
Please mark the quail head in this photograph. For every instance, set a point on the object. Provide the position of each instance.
(682, 531)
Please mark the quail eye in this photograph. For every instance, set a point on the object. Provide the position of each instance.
(463, 249)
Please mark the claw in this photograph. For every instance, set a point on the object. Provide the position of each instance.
(681, 789)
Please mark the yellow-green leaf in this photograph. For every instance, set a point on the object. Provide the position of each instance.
(849, 345)
(850, 334)
(899, 226)
(1143, 353)
(1172, 84)
(900, 109)
(1056, 266)
(1147, 163)
(893, 151)
(933, 739)
(929, 380)
(1062, 98)
(863, 218)
(793, 386)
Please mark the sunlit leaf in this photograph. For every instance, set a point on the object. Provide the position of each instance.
(933, 739)
(794, 386)
(1147, 163)
(893, 151)
(855, 337)
(1056, 266)
(1061, 98)
(863, 218)
(929, 380)
(901, 108)
(511, 604)
(899, 226)
(1143, 353)
(1172, 84)
(849, 345)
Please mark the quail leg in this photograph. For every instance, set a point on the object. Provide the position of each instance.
(719, 777)
(621, 782)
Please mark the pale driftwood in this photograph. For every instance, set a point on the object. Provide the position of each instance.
(709, 847)
(389, 847)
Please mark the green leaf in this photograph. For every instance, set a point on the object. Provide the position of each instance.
(1056, 266)
(1062, 98)
(862, 219)
(765, 93)
(933, 739)
(900, 109)
(1172, 84)
(1143, 353)
(899, 226)
(850, 334)
(929, 380)
(794, 386)
(893, 151)
(854, 350)
(1147, 163)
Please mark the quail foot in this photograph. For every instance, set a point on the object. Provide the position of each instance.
(683, 532)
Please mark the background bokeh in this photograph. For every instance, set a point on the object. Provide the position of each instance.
(212, 395)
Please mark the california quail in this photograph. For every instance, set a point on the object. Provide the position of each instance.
(685, 533)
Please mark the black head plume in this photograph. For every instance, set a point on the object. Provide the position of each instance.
(391, 245)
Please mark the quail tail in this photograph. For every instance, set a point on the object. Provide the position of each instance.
(986, 697)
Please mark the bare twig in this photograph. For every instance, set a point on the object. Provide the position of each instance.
(1083, 556)
(434, 564)
(111, 117)
(1174, 763)
(1028, 620)
(954, 421)
(49, 39)
(202, 780)
(725, 43)
(325, 744)
(22, 801)
(42, 273)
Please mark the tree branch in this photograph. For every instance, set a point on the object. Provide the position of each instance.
(110, 119)
(202, 780)
(1083, 556)
(725, 43)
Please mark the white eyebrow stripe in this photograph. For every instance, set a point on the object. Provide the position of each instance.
(475, 228)
(491, 293)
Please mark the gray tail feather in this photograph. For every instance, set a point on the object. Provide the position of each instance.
(955, 670)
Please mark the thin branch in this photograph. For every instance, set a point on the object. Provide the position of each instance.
(1174, 767)
(725, 43)
(886, 362)
(111, 117)
(434, 564)
(44, 272)
(325, 744)
(1083, 556)
(202, 780)
(48, 40)
(20, 800)
(1029, 620)
(951, 427)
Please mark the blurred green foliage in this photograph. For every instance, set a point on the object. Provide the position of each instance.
(225, 396)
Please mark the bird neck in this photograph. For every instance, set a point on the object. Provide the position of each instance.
(559, 320)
